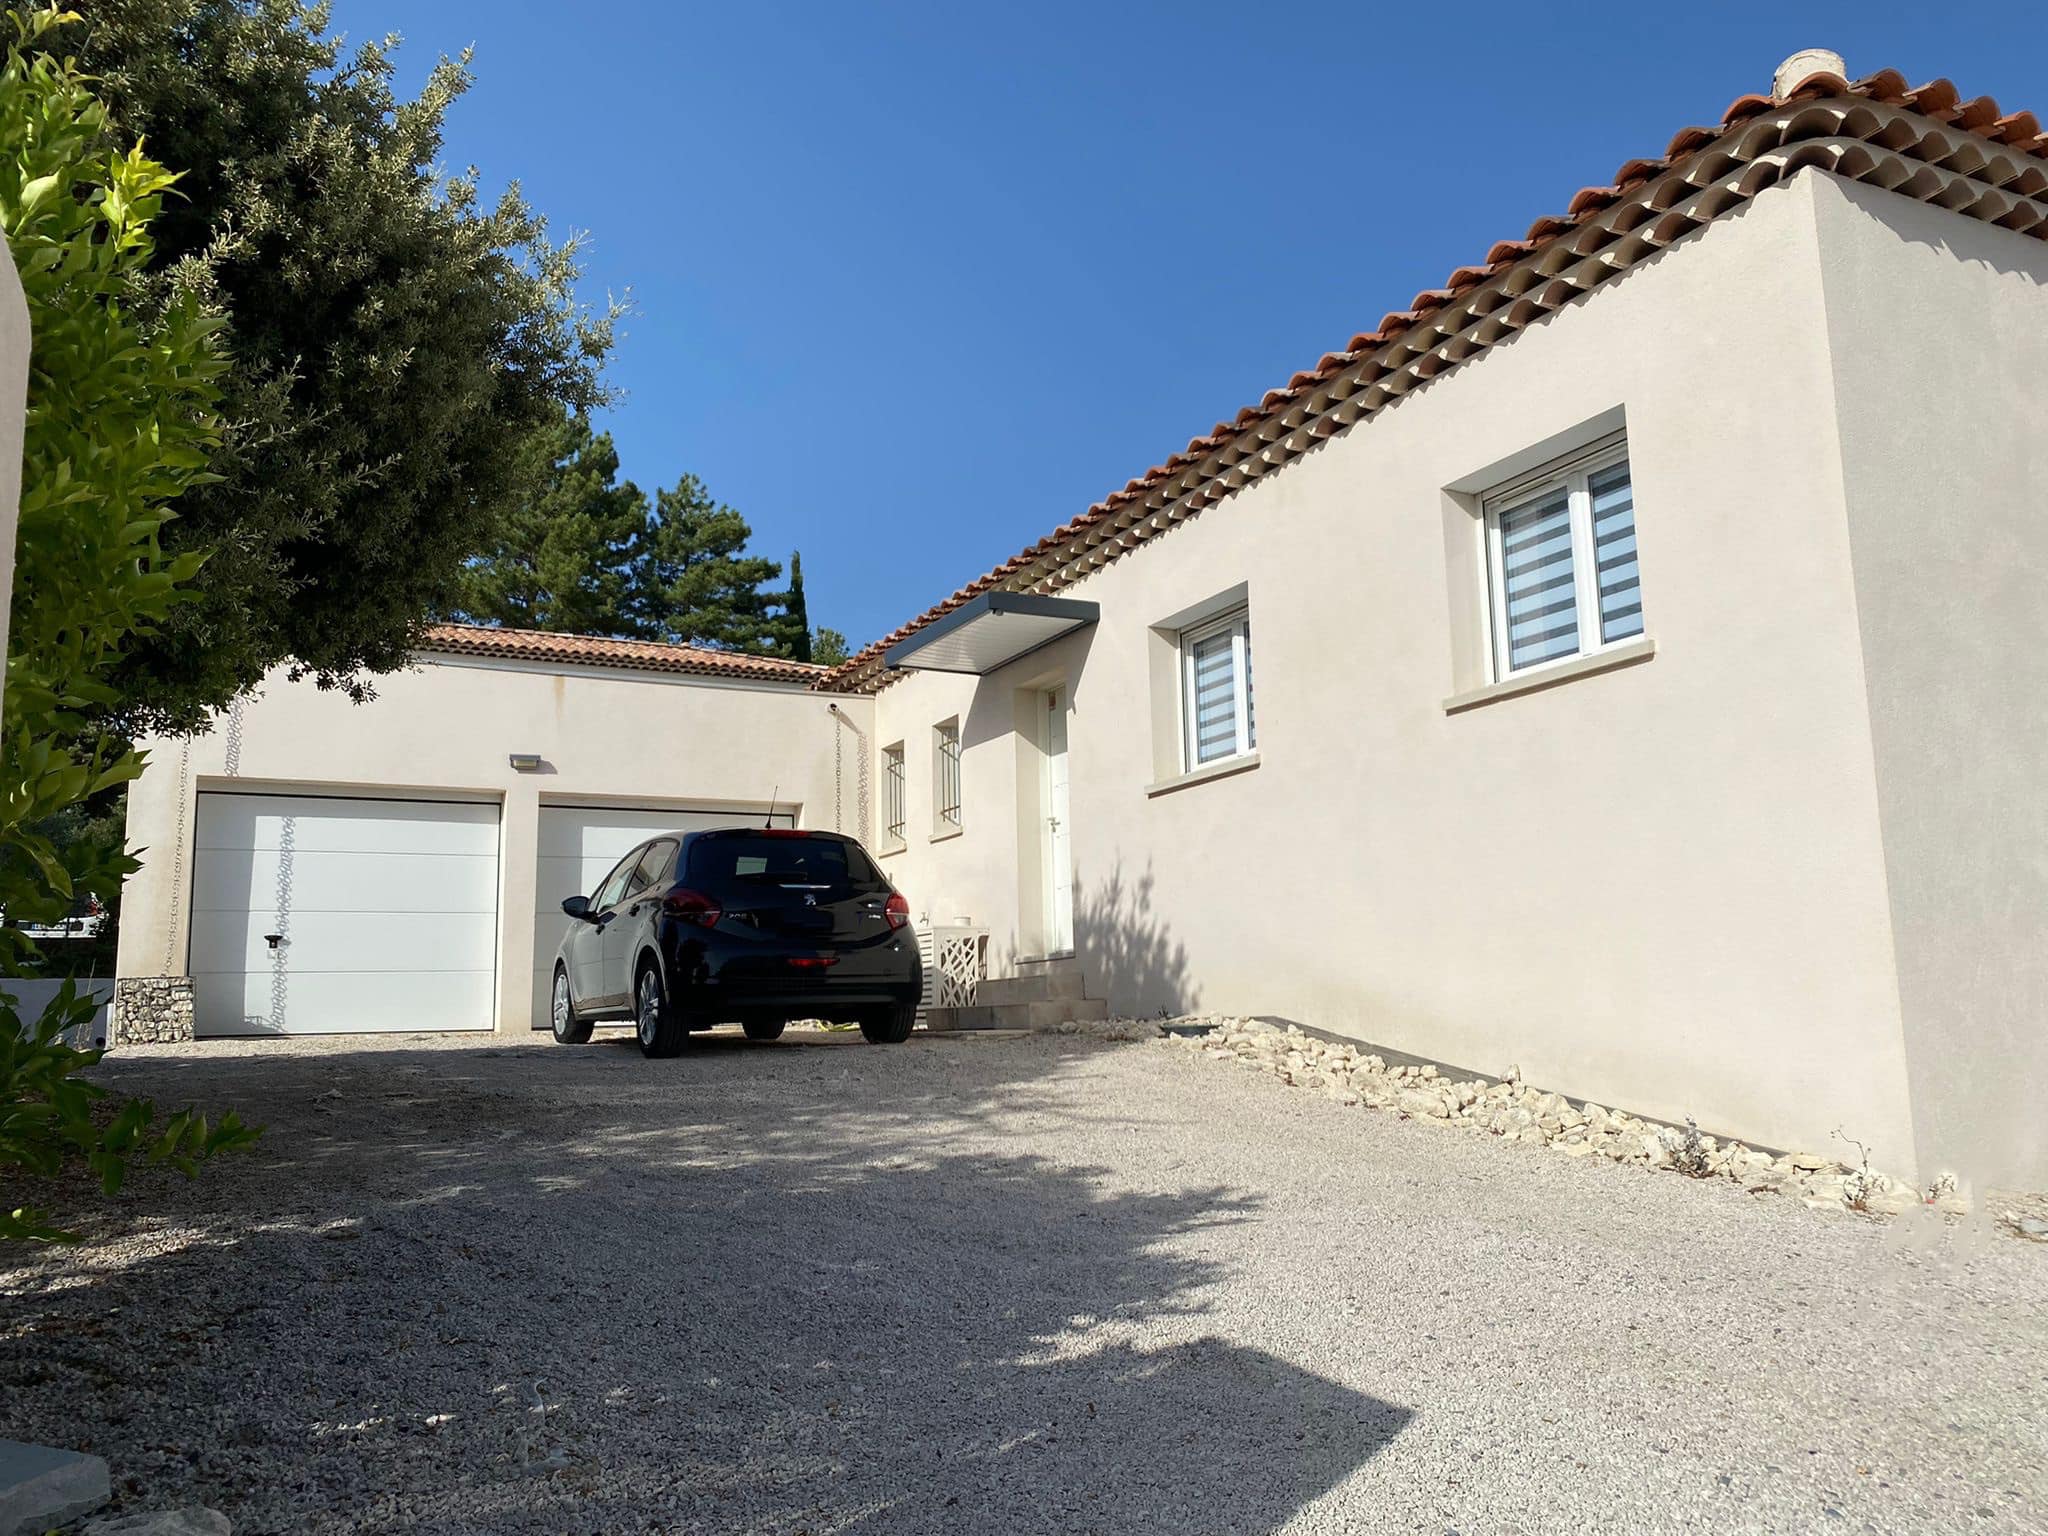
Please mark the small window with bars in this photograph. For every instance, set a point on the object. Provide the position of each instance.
(946, 776)
(1561, 557)
(895, 796)
(1216, 687)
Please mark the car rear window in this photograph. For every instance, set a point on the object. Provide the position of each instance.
(716, 862)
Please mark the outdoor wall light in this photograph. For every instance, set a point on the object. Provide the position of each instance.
(524, 762)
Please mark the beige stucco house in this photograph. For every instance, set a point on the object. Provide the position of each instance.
(1629, 661)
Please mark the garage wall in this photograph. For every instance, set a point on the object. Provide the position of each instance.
(606, 738)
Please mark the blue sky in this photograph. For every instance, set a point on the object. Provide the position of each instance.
(913, 284)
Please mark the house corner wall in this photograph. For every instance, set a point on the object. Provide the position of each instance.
(1938, 328)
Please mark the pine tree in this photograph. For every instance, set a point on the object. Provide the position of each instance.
(559, 558)
(693, 583)
(828, 648)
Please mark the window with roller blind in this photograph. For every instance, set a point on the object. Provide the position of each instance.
(1216, 690)
(1561, 561)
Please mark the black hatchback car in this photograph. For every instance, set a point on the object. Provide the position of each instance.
(758, 924)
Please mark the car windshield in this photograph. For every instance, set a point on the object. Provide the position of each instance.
(793, 863)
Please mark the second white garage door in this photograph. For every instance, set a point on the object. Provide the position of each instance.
(579, 844)
(314, 914)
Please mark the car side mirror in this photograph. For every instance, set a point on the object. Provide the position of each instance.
(577, 906)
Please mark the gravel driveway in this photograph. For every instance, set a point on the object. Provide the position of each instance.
(989, 1285)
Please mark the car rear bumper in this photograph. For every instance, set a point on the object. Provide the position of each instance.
(715, 983)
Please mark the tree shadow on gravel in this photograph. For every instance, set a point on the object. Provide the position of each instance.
(782, 1290)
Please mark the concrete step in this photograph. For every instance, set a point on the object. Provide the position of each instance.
(1045, 1013)
(1060, 976)
(1038, 987)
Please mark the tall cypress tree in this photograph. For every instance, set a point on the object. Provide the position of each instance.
(794, 622)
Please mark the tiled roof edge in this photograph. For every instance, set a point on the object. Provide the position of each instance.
(603, 651)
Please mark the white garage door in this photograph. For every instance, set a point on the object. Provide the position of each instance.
(579, 844)
(314, 914)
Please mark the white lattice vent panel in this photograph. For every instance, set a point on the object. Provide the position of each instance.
(955, 962)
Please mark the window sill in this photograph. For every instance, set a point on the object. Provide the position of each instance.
(890, 848)
(944, 833)
(1627, 654)
(1244, 762)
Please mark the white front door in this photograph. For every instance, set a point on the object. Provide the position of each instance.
(1058, 860)
(317, 914)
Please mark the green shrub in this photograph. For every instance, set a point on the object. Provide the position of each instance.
(120, 420)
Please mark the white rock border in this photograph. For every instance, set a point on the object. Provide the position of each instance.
(1513, 1111)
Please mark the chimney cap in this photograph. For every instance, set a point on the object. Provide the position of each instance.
(1807, 61)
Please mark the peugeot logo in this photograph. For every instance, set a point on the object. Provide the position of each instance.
(810, 901)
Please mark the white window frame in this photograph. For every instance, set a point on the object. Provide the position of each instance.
(1238, 624)
(948, 814)
(1572, 474)
(895, 798)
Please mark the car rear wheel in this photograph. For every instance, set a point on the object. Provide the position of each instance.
(762, 1029)
(890, 1026)
(569, 1030)
(660, 1031)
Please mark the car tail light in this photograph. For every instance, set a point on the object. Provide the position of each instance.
(813, 962)
(691, 906)
(896, 909)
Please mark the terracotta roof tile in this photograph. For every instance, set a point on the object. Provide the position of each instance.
(1977, 115)
(1686, 140)
(2018, 127)
(1822, 82)
(1744, 107)
(601, 651)
(1938, 101)
(1937, 98)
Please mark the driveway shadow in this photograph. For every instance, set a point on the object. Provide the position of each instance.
(790, 1289)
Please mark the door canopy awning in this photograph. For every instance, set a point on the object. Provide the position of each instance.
(991, 631)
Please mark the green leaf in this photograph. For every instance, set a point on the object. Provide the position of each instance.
(37, 192)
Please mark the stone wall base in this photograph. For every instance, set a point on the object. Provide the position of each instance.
(151, 1010)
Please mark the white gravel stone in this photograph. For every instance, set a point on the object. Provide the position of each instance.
(1509, 1109)
(43, 1486)
(173, 1522)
